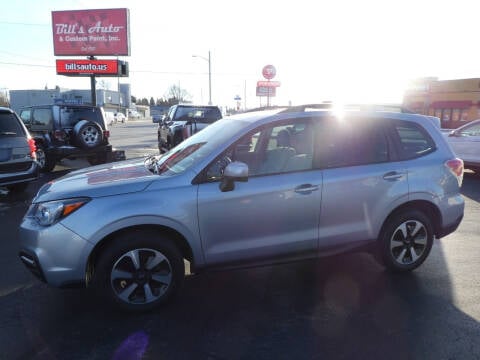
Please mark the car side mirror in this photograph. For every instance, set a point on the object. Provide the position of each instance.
(454, 134)
(235, 171)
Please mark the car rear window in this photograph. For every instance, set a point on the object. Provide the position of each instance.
(200, 114)
(71, 115)
(413, 139)
(10, 125)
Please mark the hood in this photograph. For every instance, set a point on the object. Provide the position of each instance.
(97, 181)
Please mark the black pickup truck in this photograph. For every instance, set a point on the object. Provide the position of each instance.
(183, 121)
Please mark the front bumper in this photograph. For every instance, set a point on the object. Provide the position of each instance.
(55, 254)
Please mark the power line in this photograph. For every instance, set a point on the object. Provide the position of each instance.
(19, 64)
(22, 23)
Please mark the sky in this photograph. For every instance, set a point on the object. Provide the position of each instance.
(342, 50)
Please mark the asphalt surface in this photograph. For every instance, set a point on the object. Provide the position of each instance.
(345, 307)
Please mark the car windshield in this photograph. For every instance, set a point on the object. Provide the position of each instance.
(194, 149)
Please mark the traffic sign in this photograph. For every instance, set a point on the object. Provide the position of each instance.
(269, 72)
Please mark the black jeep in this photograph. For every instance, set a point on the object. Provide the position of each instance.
(67, 131)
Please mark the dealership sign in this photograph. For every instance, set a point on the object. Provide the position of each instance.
(76, 67)
(268, 83)
(266, 91)
(91, 32)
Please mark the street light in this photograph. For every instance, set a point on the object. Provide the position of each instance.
(209, 75)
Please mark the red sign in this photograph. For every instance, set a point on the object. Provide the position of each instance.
(87, 67)
(91, 32)
(266, 91)
(268, 83)
(269, 72)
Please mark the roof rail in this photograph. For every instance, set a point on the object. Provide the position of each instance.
(361, 107)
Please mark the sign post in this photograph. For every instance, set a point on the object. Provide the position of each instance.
(268, 73)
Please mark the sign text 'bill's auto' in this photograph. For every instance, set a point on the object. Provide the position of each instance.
(91, 32)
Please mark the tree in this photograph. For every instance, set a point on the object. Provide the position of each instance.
(175, 94)
(152, 101)
(133, 99)
(4, 100)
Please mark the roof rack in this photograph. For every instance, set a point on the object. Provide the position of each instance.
(361, 107)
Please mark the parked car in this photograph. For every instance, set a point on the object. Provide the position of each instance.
(133, 114)
(120, 117)
(183, 121)
(18, 165)
(257, 188)
(465, 142)
(62, 131)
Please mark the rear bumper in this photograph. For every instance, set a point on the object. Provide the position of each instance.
(66, 151)
(30, 174)
(452, 210)
(450, 228)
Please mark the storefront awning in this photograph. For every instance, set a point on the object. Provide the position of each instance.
(452, 104)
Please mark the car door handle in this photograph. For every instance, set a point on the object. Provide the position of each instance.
(393, 175)
(306, 188)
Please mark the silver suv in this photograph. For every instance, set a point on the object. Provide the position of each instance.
(256, 188)
(18, 165)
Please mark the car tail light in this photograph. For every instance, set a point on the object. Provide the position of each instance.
(456, 167)
(33, 148)
(106, 134)
(60, 135)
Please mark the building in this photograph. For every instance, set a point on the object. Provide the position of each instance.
(110, 100)
(455, 102)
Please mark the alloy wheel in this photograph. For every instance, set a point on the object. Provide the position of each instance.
(141, 276)
(408, 242)
(90, 135)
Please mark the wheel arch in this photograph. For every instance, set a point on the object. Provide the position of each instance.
(427, 207)
(178, 239)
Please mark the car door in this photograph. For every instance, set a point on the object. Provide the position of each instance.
(272, 216)
(465, 142)
(361, 181)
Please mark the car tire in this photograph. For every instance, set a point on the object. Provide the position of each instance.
(45, 161)
(88, 134)
(139, 271)
(406, 240)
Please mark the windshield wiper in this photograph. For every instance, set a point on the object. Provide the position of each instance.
(8, 133)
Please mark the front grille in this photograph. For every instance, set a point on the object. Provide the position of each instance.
(15, 167)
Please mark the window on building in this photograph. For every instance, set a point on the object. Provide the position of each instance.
(446, 115)
(456, 114)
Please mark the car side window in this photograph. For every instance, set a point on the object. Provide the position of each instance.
(42, 118)
(25, 116)
(473, 130)
(414, 141)
(270, 150)
(345, 143)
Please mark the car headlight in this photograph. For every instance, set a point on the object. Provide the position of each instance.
(48, 213)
